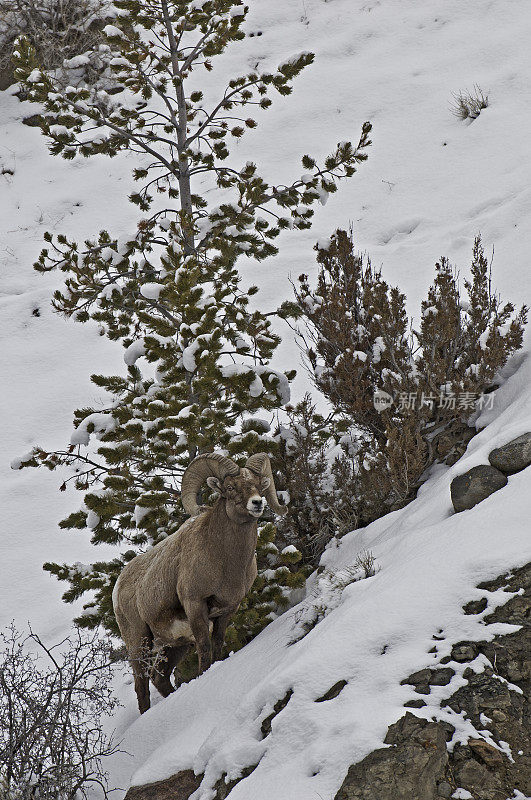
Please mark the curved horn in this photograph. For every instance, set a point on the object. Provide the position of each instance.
(261, 465)
(202, 467)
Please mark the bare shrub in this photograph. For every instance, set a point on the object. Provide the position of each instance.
(52, 702)
(367, 562)
(57, 29)
(327, 592)
(468, 105)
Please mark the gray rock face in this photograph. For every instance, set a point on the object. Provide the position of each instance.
(464, 651)
(513, 456)
(418, 767)
(409, 770)
(475, 485)
(444, 789)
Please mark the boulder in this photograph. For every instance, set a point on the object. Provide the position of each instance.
(464, 651)
(513, 456)
(472, 487)
(490, 755)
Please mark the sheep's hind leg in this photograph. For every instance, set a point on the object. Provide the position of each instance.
(168, 657)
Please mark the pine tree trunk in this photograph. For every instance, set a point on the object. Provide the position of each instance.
(184, 166)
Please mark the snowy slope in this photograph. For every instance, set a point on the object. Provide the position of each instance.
(431, 183)
(381, 631)
(45, 361)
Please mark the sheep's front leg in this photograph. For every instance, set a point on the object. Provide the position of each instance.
(218, 633)
(197, 615)
(141, 684)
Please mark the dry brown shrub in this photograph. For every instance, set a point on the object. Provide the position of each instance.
(57, 29)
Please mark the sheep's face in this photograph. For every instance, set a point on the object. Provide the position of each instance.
(243, 494)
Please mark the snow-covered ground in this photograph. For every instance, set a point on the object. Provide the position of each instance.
(431, 183)
(381, 631)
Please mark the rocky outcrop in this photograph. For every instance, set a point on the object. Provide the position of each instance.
(333, 692)
(472, 487)
(178, 787)
(406, 771)
(496, 701)
(279, 706)
(184, 784)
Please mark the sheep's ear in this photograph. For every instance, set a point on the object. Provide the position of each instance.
(214, 483)
(265, 483)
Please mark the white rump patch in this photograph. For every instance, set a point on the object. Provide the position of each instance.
(180, 629)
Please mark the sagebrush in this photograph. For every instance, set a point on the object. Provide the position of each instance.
(469, 104)
(407, 393)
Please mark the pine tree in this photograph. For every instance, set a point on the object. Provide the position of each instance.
(357, 331)
(170, 291)
(316, 467)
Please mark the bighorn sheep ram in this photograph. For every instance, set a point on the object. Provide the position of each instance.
(188, 586)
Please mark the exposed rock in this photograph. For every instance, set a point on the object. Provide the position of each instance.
(513, 456)
(178, 787)
(475, 606)
(442, 677)
(479, 781)
(424, 678)
(277, 708)
(498, 716)
(7, 77)
(409, 770)
(420, 677)
(490, 755)
(488, 701)
(472, 487)
(224, 788)
(464, 651)
(415, 703)
(184, 784)
(334, 691)
(444, 789)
